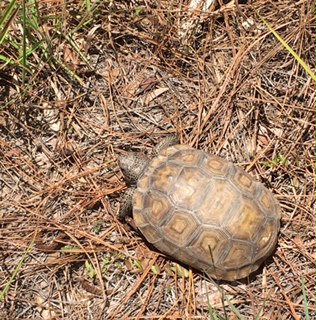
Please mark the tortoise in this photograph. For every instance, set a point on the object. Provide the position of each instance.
(200, 209)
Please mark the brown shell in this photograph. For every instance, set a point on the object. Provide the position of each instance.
(206, 213)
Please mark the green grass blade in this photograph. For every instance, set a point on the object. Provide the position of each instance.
(7, 18)
(234, 309)
(16, 271)
(24, 43)
(307, 317)
(88, 5)
(33, 15)
(294, 54)
(7, 13)
(72, 73)
(5, 59)
(77, 49)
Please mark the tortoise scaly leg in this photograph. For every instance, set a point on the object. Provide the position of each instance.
(126, 204)
(168, 141)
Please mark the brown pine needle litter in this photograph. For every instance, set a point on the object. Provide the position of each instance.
(82, 82)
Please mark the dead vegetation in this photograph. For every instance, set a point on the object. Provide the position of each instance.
(119, 75)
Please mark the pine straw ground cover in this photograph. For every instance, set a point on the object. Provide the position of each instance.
(97, 79)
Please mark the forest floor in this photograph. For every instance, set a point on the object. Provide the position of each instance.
(82, 82)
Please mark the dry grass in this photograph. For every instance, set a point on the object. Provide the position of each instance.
(119, 77)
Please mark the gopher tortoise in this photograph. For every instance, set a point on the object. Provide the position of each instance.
(200, 209)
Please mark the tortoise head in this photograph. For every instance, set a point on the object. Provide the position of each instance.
(132, 165)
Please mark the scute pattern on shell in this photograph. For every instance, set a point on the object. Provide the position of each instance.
(206, 212)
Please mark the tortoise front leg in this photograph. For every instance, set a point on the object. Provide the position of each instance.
(126, 204)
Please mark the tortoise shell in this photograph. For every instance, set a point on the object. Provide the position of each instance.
(206, 212)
